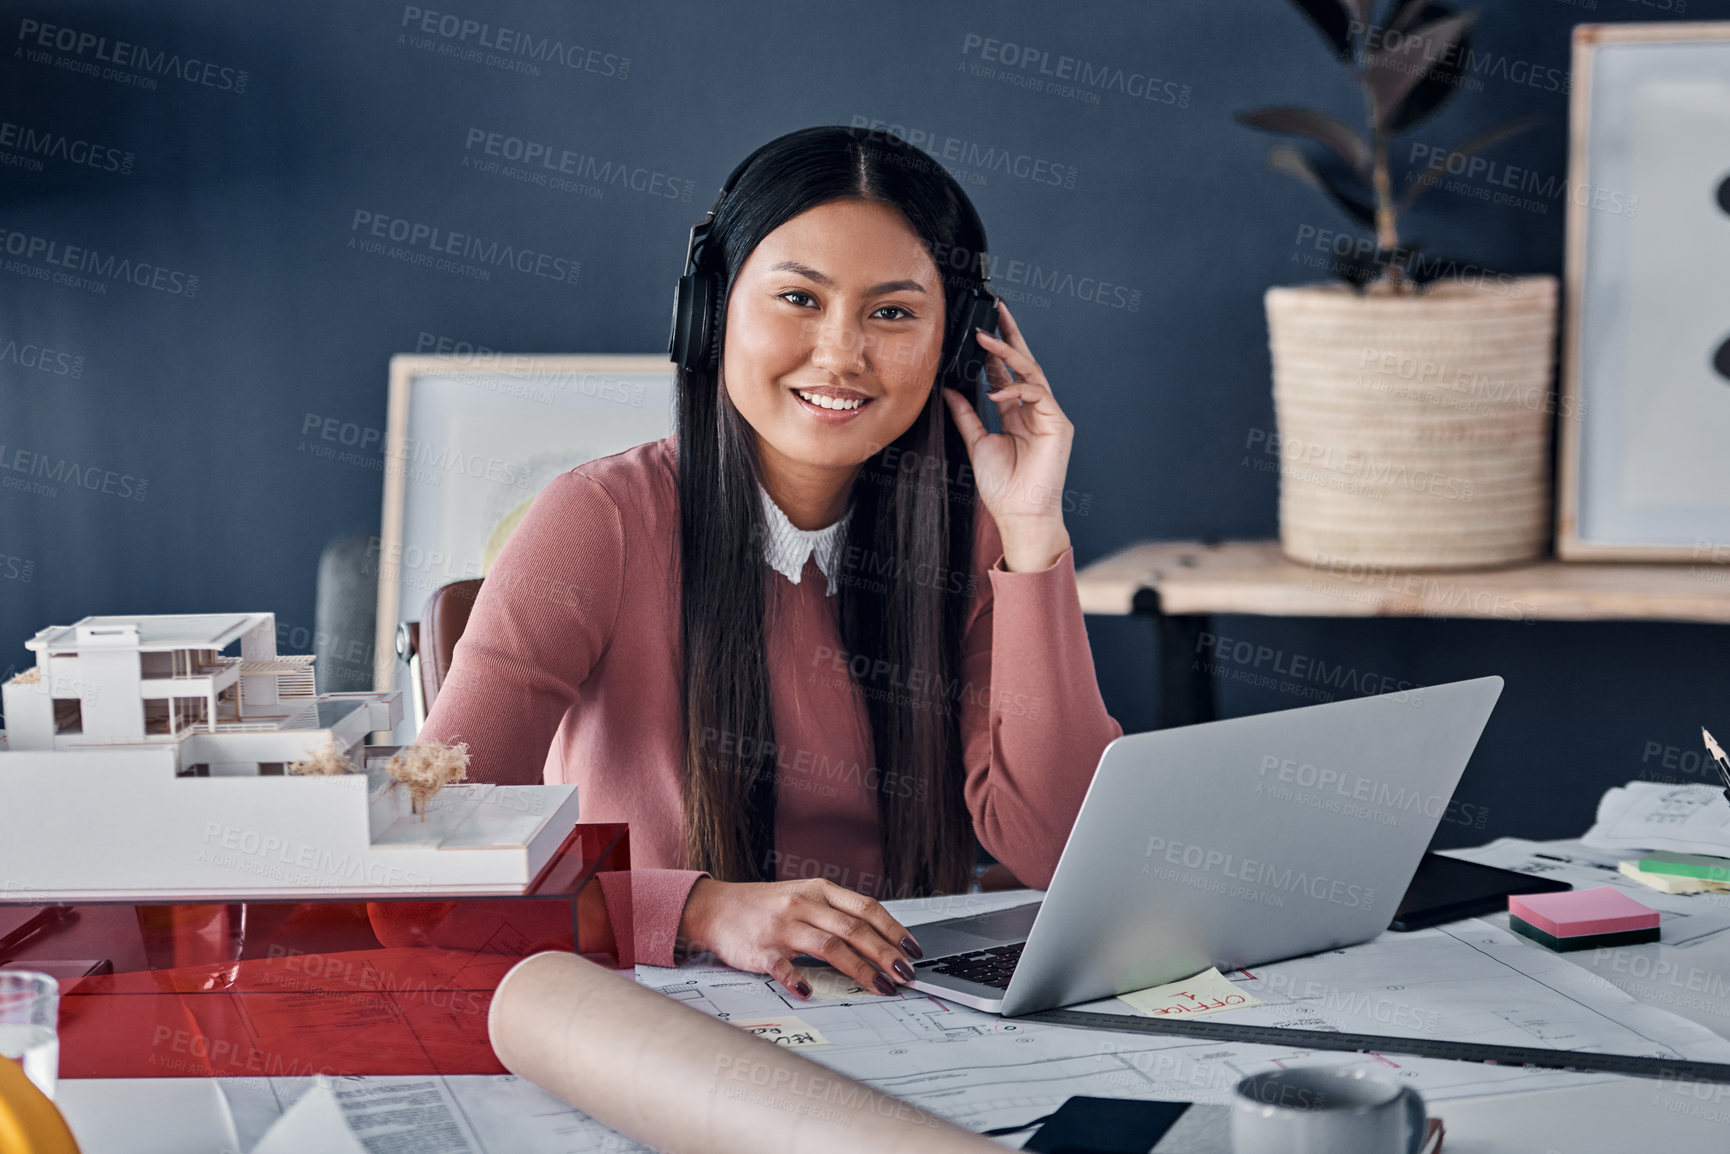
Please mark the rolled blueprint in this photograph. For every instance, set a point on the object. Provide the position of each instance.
(678, 1080)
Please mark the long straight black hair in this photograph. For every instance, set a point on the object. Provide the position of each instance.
(905, 576)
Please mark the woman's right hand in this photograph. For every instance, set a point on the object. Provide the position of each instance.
(762, 926)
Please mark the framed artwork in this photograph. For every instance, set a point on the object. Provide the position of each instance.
(470, 441)
(1645, 410)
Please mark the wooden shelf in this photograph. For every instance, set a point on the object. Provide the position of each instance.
(1188, 578)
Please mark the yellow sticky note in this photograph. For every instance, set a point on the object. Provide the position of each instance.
(831, 985)
(789, 1031)
(1208, 992)
(1671, 883)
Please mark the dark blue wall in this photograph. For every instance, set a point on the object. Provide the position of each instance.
(187, 398)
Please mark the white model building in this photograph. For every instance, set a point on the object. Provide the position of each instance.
(140, 761)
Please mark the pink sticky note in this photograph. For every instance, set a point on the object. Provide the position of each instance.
(1603, 910)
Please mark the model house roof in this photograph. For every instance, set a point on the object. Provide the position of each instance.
(155, 633)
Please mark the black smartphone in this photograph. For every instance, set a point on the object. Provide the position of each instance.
(1446, 889)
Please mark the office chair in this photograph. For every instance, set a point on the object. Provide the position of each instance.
(430, 643)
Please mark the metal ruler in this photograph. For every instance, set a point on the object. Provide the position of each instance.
(1678, 1069)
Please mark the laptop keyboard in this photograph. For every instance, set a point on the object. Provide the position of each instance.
(991, 967)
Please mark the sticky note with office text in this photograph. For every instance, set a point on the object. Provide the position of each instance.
(1208, 992)
(786, 1031)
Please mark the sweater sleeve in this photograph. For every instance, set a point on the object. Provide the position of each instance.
(1032, 721)
(542, 622)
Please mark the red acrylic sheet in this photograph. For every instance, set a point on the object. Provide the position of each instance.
(308, 984)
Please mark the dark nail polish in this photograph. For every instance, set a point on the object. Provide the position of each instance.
(884, 986)
(905, 970)
(909, 946)
(804, 989)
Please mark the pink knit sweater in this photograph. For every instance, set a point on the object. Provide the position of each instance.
(569, 671)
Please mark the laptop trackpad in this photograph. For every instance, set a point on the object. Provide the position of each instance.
(976, 931)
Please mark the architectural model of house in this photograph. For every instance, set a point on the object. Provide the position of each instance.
(139, 760)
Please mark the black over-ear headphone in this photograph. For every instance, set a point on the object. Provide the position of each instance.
(692, 344)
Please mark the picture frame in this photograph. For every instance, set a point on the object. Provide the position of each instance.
(470, 440)
(1644, 412)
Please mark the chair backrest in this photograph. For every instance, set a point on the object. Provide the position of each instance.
(441, 624)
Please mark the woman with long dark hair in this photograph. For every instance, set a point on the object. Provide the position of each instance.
(828, 632)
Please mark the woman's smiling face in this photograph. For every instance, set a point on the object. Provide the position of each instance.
(842, 302)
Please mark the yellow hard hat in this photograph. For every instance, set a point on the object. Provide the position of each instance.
(29, 1122)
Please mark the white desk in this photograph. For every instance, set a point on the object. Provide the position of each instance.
(1611, 1115)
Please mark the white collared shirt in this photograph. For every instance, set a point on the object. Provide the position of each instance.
(787, 546)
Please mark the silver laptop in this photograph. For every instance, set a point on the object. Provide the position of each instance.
(1231, 844)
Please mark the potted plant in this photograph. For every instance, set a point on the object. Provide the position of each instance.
(1412, 394)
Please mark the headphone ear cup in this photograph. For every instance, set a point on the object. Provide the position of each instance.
(693, 302)
(970, 357)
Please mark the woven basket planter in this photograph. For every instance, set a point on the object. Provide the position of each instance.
(1414, 431)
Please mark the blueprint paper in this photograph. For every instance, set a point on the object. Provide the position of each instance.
(1687, 919)
(1470, 981)
(1651, 815)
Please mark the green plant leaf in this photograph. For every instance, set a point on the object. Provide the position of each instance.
(1443, 80)
(1392, 72)
(1284, 158)
(1470, 147)
(1346, 144)
(1332, 21)
(1408, 12)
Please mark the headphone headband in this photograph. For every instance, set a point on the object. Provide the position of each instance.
(692, 345)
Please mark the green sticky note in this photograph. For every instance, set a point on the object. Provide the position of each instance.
(1687, 865)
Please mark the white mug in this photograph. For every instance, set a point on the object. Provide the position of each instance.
(1326, 1110)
